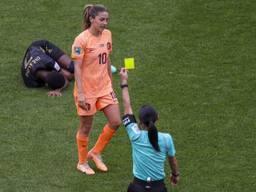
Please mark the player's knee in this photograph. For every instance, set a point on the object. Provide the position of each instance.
(85, 130)
(115, 123)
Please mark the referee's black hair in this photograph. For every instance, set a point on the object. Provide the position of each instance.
(148, 117)
(91, 10)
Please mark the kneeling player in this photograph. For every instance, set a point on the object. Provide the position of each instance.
(44, 64)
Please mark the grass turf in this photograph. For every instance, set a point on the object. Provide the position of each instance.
(195, 62)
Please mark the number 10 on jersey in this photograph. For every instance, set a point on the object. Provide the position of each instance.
(102, 58)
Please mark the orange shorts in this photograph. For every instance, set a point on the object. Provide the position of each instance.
(96, 104)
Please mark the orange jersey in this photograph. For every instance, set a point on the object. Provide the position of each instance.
(94, 53)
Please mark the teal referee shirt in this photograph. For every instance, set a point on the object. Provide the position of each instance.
(147, 163)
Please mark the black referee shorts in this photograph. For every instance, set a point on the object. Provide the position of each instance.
(139, 185)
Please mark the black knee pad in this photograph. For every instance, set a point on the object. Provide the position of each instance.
(71, 67)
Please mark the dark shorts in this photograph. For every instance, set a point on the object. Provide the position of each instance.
(139, 185)
(51, 49)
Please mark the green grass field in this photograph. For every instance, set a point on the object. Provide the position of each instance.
(195, 62)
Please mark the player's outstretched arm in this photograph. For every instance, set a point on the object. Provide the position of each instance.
(125, 91)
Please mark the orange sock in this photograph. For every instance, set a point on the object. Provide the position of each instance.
(104, 138)
(82, 142)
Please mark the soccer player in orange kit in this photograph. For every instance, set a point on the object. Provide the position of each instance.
(93, 85)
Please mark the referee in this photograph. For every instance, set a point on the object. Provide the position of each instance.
(149, 147)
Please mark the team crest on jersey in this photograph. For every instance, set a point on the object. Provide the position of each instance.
(109, 46)
(77, 50)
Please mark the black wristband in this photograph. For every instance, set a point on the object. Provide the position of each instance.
(123, 86)
(175, 174)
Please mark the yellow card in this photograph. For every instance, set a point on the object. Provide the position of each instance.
(129, 63)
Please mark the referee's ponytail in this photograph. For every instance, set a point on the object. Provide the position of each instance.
(153, 135)
(91, 11)
(148, 117)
